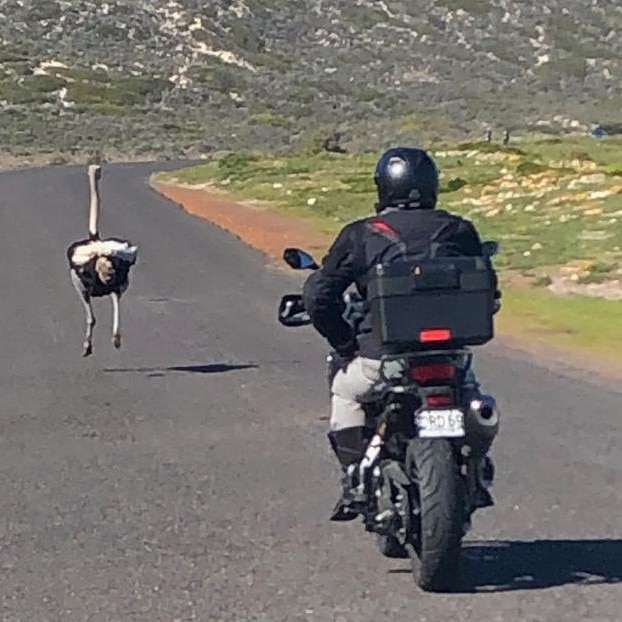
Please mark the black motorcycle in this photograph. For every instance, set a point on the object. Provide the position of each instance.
(429, 429)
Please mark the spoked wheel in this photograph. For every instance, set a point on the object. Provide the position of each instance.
(435, 553)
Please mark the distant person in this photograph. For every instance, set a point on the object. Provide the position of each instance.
(332, 143)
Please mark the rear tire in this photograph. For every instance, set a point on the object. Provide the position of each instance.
(433, 465)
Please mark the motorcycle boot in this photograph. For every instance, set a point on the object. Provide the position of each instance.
(349, 446)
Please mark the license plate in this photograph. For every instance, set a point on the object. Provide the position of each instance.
(440, 423)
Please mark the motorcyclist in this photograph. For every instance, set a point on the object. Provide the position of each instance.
(407, 183)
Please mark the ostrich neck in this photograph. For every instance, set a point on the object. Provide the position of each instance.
(94, 209)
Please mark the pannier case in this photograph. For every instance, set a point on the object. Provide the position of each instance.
(445, 302)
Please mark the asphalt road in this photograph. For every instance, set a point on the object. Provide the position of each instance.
(187, 476)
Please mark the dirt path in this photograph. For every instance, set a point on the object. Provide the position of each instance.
(265, 230)
(270, 232)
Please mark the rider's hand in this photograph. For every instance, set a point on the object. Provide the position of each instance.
(347, 352)
(497, 304)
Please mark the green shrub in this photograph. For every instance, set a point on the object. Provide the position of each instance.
(486, 147)
(531, 168)
(246, 38)
(454, 184)
(44, 10)
(235, 162)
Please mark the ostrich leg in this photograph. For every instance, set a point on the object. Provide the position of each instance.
(116, 329)
(90, 316)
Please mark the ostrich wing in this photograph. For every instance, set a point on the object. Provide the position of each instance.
(83, 253)
(126, 254)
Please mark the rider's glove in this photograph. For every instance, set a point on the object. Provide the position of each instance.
(497, 303)
(347, 351)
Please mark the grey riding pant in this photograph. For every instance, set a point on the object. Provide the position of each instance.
(350, 389)
(356, 385)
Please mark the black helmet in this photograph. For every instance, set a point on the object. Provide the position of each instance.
(406, 177)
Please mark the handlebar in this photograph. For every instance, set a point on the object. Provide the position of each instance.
(292, 311)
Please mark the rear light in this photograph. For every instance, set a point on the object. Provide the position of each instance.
(434, 401)
(433, 371)
(430, 335)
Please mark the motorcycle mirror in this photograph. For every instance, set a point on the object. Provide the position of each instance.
(299, 260)
(292, 311)
(490, 248)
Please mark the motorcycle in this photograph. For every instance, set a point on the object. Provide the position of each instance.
(429, 430)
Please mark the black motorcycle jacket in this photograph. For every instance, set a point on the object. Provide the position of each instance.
(420, 233)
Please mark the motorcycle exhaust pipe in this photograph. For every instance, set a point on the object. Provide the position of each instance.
(481, 423)
(485, 411)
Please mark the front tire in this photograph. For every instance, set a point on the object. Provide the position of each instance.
(433, 466)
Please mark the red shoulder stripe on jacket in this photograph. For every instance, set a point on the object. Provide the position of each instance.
(383, 227)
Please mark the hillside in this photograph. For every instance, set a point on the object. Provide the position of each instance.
(184, 76)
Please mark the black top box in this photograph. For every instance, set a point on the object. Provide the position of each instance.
(440, 303)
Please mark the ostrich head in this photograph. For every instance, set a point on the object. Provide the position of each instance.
(95, 171)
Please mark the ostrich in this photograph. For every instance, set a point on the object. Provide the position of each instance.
(100, 267)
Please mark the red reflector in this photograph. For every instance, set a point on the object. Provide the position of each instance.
(433, 371)
(438, 400)
(435, 334)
